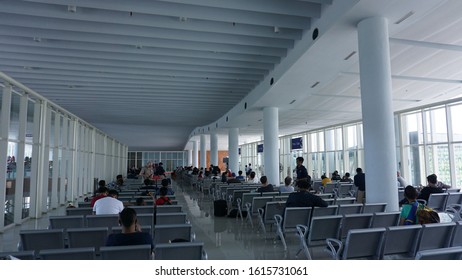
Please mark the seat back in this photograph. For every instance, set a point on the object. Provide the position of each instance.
(260, 202)
(248, 197)
(294, 216)
(118, 229)
(349, 209)
(344, 190)
(179, 251)
(87, 237)
(238, 194)
(434, 236)
(68, 254)
(64, 222)
(437, 201)
(385, 219)
(170, 218)
(401, 240)
(317, 186)
(102, 221)
(148, 209)
(354, 221)
(346, 200)
(325, 211)
(168, 209)
(145, 219)
(456, 239)
(363, 243)
(452, 253)
(329, 188)
(374, 207)
(79, 211)
(41, 239)
(273, 208)
(167, 233)
(454, 198)
(324, 227)
(131, 252)
(22, 255)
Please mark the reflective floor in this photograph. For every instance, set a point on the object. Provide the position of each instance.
(224, 238)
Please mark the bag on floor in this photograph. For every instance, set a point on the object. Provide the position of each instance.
(220, 208)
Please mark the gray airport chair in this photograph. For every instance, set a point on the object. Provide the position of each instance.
(401, 240)
(267, 216)
(21, 255)
(437, 201)
(168, 209)
(68, 254)
(385, 219)
(131, 252)
(451, 253)
(434, 236)
(41, 239)
(374, 207)
(456, 239)
(349, 209)
(79, 211)
(88, 237)
(180, 251)
(171, 218)
(302, 231)
(325, 211)
(64, 222)
(103, 221)
(169, 233)
(354, 221)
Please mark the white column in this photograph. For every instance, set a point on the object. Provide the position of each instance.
(214, 148)
(195, 162)
(55, 175)
(203, 151)
(35, 175)
(190, 157)
(233, 149)
(270, 144)
(64, 162)
(20, 159)
(377, 111)
(4, 130)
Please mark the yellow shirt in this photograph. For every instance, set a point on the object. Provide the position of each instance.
(325, 181)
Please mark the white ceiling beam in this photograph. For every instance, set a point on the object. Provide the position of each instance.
(425, 44)
(193, 12)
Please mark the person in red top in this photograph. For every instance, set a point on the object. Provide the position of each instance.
(102, 192)
(163, 199)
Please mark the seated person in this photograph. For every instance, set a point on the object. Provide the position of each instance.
(409, 209)
(109, 204)
(286, 187)
(240, 177)
(140, 202)
(432, 187)
(166, 184)
(101, 193)
(346, 178)
(148, 184)
(336, 176)
(325, 180)
(131, 231)
(266, 187)
(253, 178)
(163, 199)
(303, 198)
(233, 179)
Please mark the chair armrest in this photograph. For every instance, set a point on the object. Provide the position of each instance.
(335, 247)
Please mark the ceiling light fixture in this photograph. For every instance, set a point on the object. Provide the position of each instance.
(71, 8)
(276, 29)
(293, 101)
(139, 47)
(315, 84)
(350, 55)
(183, 19)
(37, 39)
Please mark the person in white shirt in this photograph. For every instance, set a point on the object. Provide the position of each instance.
(286, 187)
(253, 178)
(109, 204)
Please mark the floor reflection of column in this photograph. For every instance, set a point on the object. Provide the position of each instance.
(218, 239)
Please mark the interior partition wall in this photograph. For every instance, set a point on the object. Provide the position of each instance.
(51, 157)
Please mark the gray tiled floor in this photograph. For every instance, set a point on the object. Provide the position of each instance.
(224, 238)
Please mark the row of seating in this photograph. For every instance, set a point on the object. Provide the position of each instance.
(88, 211)
(165, 251)
(81, 221)
(378, 243)
(336, 226)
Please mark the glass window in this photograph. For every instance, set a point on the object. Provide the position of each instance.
(456, 116)
(438, 162)
(436, 127)
(13, 132)
(458, 164)
(412, 129)
(330, 140)
(351, 137)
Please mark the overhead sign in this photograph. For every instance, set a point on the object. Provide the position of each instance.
(297, 143)
(260, 148)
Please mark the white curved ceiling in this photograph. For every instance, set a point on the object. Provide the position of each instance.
(153, 74)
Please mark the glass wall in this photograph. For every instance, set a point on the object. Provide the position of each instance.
(170, 160)
(48, 159)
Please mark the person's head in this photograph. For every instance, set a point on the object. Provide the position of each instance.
(164, 183)
(102, 183)
(299, 160)
(113, 193)
(127, 217)
(119, 177)
(359, 170)
(323, 176)
(233, 175)
(335, 172)
(120, 181)
(103, 190)
(252, 175)
(163, 191)
(140, 201)
(410, 193)
(239, 172)
(287, 180)
(264, 180)
(347, 175)
(432, 179)
(303, 185)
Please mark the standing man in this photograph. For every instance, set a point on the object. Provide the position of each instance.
(360, 182)
(302, 173)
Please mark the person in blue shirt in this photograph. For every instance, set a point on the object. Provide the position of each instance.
(302, 173)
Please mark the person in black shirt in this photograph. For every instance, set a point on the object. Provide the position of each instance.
(302, 173)
(430, 188)
(131, 231)
(265, 187)
(360, 182)
(302, 198)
